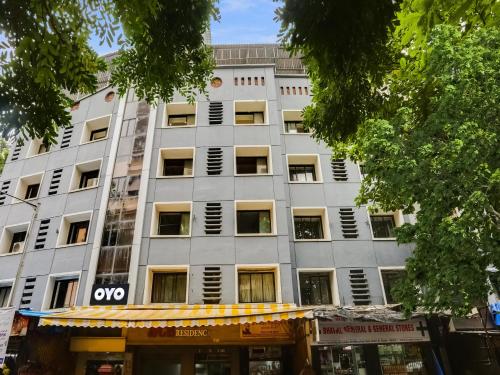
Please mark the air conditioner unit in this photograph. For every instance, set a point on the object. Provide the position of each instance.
(17, 247)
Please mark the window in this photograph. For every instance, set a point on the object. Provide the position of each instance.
(78, 232)
(180, 114)
(256, 286)
(5, 295)
(13, 238)
(383, 226)
(304, 168)
(252, 160)
(37, 147)
(250, 112)
(169, 287)
(32, 191)
(96, 129)
(17, 243)
(293, 123)
(310, 224)
(315, 288)
(171, 219)
(175, 162)
(86, 175)
(43, 148)
(89, 179)
(255, 218)
(64, 293)
(389, 279)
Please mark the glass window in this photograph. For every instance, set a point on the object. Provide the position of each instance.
(248, 118)
(251, 165)
(315, 288)
(256, 287)
(88, 179)
(64, 294)
(177, 167)
(4, 295)
(389, 279)
(98, 134)
(343, 360)
(43, 149)
(308, 227)
(294, 127)
(253, 221)
(181, 120)
(17, 243)
(401, 359)
(302, 173)
(169, 287)
(173, 223)
(78, 232)
(32, 191)
(383, 226)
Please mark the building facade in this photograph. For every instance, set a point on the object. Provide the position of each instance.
(227, 200)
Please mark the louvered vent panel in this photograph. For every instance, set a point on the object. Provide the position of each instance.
(359, 287)
(339, 170)
(212, 285)
(42, 234)
(66, 138)
(16, 152)
(213, 218)
(29, 286)
(348, 223)
(214, 161)
(54, 183)
(215, 113)
(4, 189)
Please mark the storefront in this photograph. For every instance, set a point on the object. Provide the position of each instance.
(360, 347)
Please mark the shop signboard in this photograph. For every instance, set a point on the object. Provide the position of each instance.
(112, 294)
(6, 318)
(268, 330)
(340, 331)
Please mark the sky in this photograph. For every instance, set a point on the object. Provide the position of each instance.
(241, 21)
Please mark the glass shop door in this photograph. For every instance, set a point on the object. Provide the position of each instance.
(342, 360)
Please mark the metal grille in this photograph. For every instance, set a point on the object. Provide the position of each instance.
(16, 152)
(214, 161)
(42, 234)
(54, 183)
(339, 170)
(215, 113)
(3, 190)
(348, 223)
(359, 287)
(213, 218)
(29, 286)
(66, 138)
(212, 285)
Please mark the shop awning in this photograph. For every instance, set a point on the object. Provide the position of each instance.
(151, 316)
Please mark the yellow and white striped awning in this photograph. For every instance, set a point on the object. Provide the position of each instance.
(167, 315)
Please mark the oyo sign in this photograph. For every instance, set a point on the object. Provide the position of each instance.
(112, 294)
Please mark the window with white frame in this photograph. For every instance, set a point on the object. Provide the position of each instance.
(390, 277)
(180, 114)
(304, 168)
(252, 160)
(13, 238)
(74, 229)
(383, 224)
(5, 291)
(64, 292)
(171, 219)
(37, 147)
(310, 223)
(175, 162)
(315, 288)
(255, 218)
(95, 129)
(257, 285)
(86, 175)
(169, 286)
(251, 112)
(293, 123)
(28, 187)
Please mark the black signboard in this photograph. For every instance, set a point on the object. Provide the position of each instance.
(111, 294)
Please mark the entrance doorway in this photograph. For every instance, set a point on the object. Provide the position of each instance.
(212, 362)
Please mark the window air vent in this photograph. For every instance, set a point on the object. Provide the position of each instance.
(339, 170)
(212, 285)
(359, 287)
(215, 113)
(213, 218)
(348, 223)
(54, 183)
(42, 234)
(16, 152)
(214, 161)
(66, 138)
(29, 286)
(4, 189)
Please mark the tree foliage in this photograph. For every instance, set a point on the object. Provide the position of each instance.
(46, 57)
(4, 152)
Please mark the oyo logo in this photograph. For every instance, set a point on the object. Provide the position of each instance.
(116, 293)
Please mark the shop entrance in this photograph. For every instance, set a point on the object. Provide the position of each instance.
(342, 360)
(212, 363)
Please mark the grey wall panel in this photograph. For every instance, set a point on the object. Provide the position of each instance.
(256, 250)
(62, 158)
(8, 266)
(68, 259)
(214, 188)
(286, 283)
(215, 135)
(177, 137)
(389, 253)
(311, 254)
(255, 135)
(253, 188)
(78, 201)
(307, 195)
(340, 195)
(38, 262)
(173, 190)
(169, 251)
(284, 250)
(212, 251)
(356, 254)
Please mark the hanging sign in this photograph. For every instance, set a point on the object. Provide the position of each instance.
(268, 330)
(112, 294)
(344, 332)
(6, 318)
